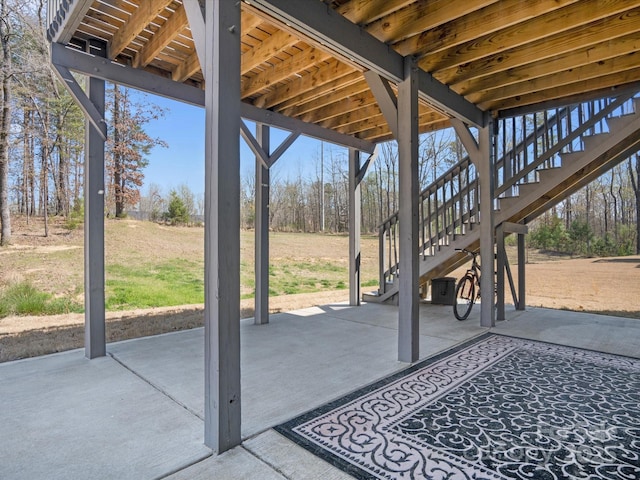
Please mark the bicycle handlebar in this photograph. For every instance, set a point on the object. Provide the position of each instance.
(468, 252)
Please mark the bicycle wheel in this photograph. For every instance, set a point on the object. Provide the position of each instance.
(465, 296)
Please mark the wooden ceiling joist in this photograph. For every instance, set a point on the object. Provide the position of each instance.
(146, 12)
(326, 77)
(305, 60)
(283, 70)
(161, 39)
(544, 35)
(557, 63)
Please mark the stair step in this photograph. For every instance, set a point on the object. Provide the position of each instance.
(592, 141)
(546, 174)
(618, 123)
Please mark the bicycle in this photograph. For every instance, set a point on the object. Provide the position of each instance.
(466, 289)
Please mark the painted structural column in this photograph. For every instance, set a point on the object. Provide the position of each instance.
(94, 278)
(522, 301)
(222, 226)
(408, 300)
(262, 229)
(355, 196)
(487, 228)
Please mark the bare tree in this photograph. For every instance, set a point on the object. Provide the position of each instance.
(634, 176)
(6, 72)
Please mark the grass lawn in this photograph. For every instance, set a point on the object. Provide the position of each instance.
(151, 265)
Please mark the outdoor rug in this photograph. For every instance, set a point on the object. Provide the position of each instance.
(496, 407)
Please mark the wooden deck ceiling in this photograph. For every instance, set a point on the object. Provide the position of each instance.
(498, 55)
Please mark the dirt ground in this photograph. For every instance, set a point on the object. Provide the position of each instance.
(605, 285)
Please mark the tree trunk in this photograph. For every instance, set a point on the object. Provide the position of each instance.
(635, 184)
(117, 155)
(5, 119)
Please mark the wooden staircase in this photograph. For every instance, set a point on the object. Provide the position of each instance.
(556, 153)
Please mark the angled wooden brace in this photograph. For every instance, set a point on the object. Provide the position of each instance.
(88, 108)
(266, 159)
(386, 98)
(363, 169)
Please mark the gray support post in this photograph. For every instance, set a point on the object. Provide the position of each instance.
(95, 344)
(501, 262)
(222, 226)
(487, 229)
(355, 195)
(408, 310)
(261, 315)
(521, 273)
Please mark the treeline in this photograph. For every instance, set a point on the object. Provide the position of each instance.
(42, 159)
(42, 130)
(320, 201)
(601, 219)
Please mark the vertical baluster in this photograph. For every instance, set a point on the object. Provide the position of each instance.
(460, 203)
(437, 217)
(452, 207)
(468, 194)
(423, 244)
(535, 137)
(430, 212)
(395, 247)
(382, 259)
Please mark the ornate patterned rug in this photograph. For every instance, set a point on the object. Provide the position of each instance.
(496, 407)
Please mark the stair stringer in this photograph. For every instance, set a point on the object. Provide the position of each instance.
(604, 150)
(577, 170)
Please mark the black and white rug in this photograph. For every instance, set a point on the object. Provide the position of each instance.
(494, 408)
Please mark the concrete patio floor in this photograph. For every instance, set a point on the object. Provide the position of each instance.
(137, 413)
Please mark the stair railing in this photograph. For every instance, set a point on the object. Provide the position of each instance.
(542, 136)
(450, 205)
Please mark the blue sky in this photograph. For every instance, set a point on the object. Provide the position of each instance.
(183, 162)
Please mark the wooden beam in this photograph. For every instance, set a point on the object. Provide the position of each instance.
(326, 27)
(493, 18)
(605, 82)
(309, 85)
(543, 37)
(341, 107)
(420, 17)
(280, 71)
(145, 14)
(373, 121)
(593, 71)
(161, 38)
(186, 69)
(357, 115)
(266, 50)
(383, 134)
(360, 12)
(328, 98)
(566, 61)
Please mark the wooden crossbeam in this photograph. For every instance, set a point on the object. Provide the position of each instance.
(577, 88)
(493, 18)
(163, 37)
(325, 76)
(592, 71)
(360, 12)
(141, 17)
(585, 55)
(327, 99)
(420, 17)
(285, 69)
(540, 37)
(266, 50)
